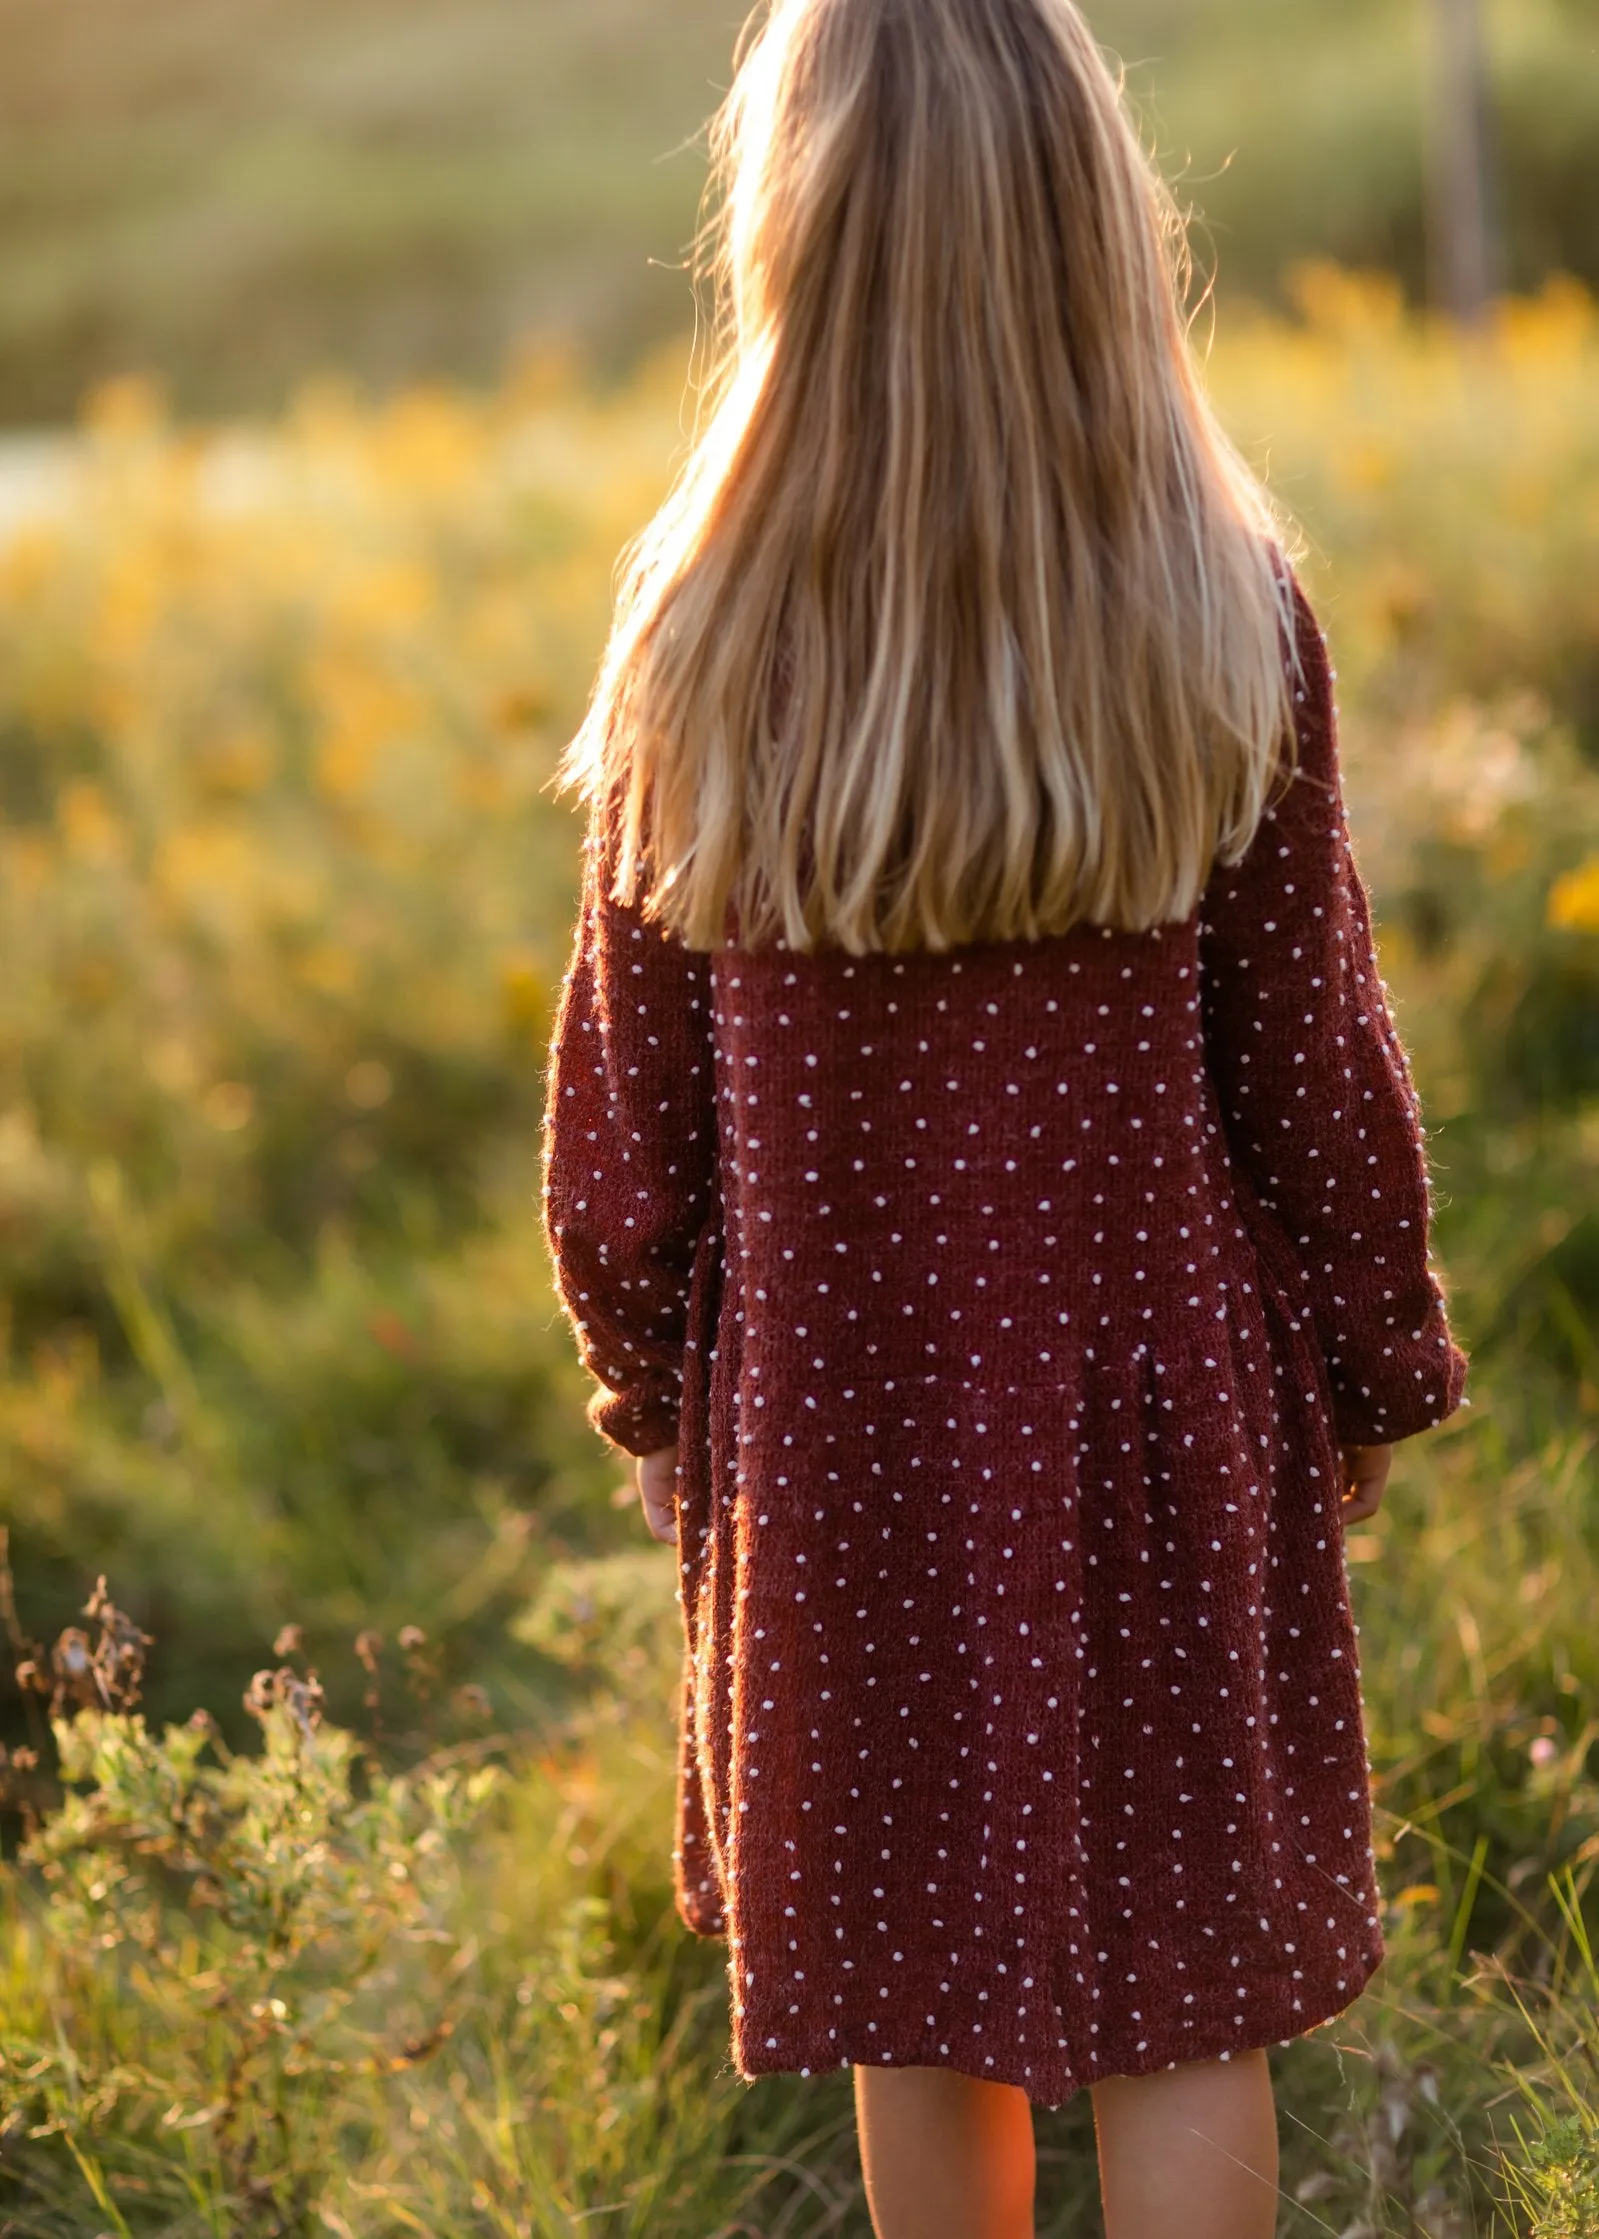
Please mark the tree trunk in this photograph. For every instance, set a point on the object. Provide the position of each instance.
(1465, 276)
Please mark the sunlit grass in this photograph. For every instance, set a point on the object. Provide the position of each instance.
(285, 903)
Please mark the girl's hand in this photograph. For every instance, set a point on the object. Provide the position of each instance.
(1365, 1481)
(657, 1489)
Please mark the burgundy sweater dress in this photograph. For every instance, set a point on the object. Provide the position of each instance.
(1008, 1307)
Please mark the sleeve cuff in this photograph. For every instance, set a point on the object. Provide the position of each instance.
(1381, 1413)
(641, 1419)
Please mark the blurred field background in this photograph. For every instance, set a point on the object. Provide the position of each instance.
(369, 376)
(228, 191)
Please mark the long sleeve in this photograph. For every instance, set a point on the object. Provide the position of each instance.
(1315, 1089)
(630, 1168)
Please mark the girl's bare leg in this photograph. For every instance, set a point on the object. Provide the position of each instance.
(945, 2155)
(1190, 2150)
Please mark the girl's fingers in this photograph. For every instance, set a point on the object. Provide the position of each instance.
(661, 1517)
(1365, 1481)
(657, 1485)
(661, 1526)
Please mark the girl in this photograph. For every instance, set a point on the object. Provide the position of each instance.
(981, 1170)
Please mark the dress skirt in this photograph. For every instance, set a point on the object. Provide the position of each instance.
(1021, 1729)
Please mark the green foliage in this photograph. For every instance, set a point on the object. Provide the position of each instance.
(292, 1990)
(1563, 2180)
(248, 1934)
(1552, 2179)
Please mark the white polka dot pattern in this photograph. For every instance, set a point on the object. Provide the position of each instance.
(1321, 1116)
(1010, 1305)
(630, 1164)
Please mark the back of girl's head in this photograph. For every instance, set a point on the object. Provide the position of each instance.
(963, 621)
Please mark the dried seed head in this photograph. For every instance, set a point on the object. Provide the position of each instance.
(290, 1641)
(286, 1689)
(301, 1698)
(102, 1674)
(77, 1680)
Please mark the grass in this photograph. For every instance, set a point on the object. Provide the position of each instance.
(284, 905)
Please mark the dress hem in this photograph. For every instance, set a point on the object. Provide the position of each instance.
(1285, 2026)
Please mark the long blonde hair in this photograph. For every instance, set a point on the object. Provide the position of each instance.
(963, 620)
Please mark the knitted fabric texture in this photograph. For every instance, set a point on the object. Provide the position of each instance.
(1008, 1307)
